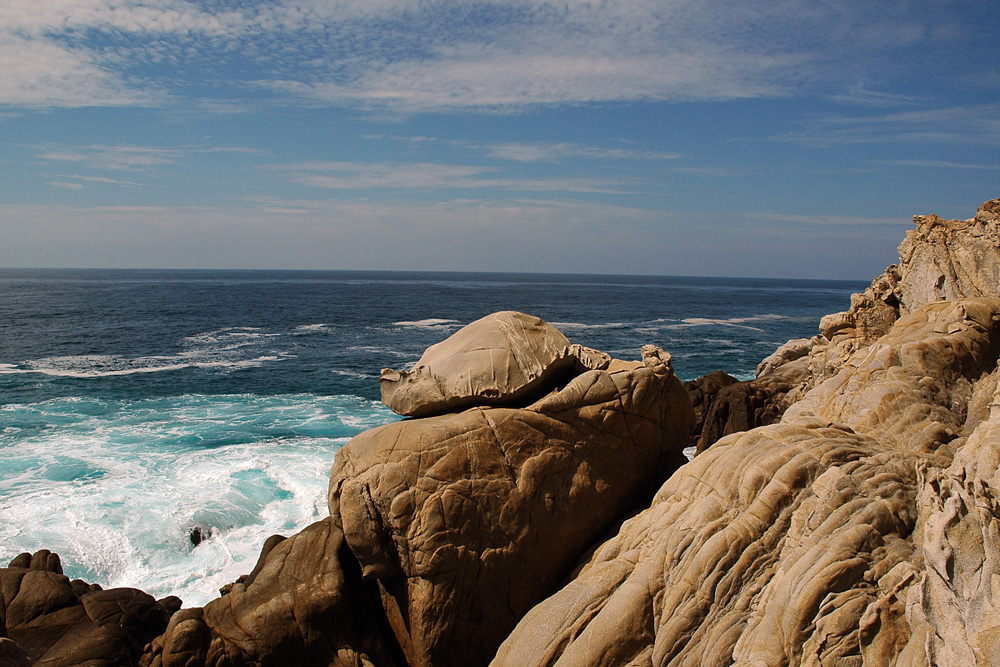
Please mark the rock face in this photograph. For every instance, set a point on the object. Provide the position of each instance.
(506, 358)
(467, 520)
(52, 621)
(863, 529)
(814, 540)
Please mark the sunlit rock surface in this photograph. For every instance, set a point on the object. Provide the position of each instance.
(507, 358)
(467, 520)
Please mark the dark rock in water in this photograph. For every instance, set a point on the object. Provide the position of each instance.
(59, 623)
(731, 406)
(467, 520)
(197, 535)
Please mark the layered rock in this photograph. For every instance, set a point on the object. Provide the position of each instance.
(467, 520)
(804, 542)
(507, 358)
(939, 260)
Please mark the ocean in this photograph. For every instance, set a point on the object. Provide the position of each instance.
(137, 406)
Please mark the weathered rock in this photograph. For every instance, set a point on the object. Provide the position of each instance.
(954, 610)
(304, 604)
(941, 259)
(805, 542)
(703, 392)
(507, 358)
(741, 406)
(467, 520)
(951, 259)
(757, 551)
(56, 622)
(911, 388)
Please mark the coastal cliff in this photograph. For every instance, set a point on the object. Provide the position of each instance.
(842, 508)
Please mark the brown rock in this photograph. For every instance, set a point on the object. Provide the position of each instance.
(751, 554)
(703, 392)
(467, 520)
(304, 605)
(58, 623)
(910, 389)
(507, 358)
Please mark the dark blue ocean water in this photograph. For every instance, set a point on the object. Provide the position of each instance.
(135, 405)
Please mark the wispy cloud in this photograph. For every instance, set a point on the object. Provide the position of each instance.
(409, 176)
(956, 124)
(128, 158)
(555, 152)
(500, 55)
(115, 158)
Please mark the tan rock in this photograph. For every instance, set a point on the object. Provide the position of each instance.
(507, 358)
(467, 520)
(838, 536)
(761, 551)
(909, 390)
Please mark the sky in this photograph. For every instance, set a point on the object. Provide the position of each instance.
(786, 139)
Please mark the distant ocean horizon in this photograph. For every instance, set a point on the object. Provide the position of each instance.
(136, 405)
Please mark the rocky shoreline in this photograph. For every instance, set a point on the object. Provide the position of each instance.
(843, 507)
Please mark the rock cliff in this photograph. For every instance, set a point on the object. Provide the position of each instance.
(842, 509)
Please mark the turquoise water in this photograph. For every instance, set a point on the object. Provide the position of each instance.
(138, 405)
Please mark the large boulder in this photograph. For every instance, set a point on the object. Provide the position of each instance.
(507, 358)
(468, 520)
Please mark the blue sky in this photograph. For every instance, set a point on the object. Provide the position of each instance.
(721, 137)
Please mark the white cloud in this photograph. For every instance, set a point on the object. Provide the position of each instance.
(554, 152)
(427, 56)
(364, 176)
(114, 157)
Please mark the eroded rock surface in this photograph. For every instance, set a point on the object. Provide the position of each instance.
(507, 358)
(467, 520)
(839, 536)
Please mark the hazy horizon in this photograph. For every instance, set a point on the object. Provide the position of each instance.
(650, 137)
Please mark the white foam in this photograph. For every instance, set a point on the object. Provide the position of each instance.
(579, 326)
(428, 323)
(115, 487)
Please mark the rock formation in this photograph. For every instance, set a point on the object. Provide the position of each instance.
(506, 358)
(847, 511)
(862, 529)
(52, 621)
(467, 520)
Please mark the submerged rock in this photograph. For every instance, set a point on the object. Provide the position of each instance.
(507, 358)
